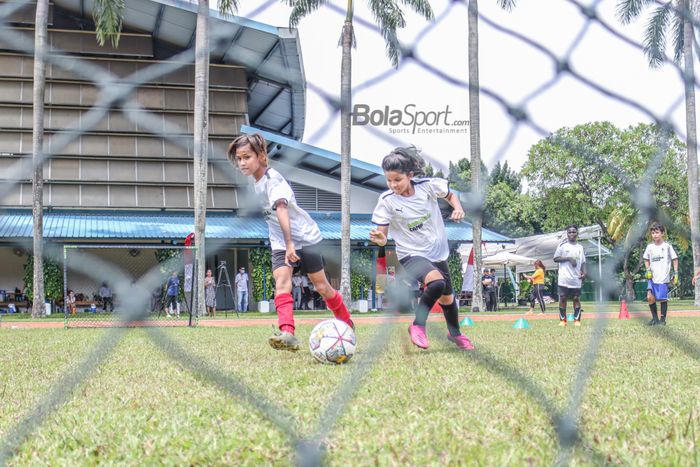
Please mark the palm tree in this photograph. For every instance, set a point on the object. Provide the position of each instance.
(474, 138)
(675, 17)
(389, 17)
(40, 33)
(201, 141)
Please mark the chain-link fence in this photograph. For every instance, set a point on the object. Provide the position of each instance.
(119, 94)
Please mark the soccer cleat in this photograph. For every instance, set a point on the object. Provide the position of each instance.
(284, 341)
(653, 322)
(562, 323)
(461, 341)
(577, 322)
(662, 322)
(418, 336)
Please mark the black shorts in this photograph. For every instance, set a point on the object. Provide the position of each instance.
(311, 259)
(569, 292)
(418, 267)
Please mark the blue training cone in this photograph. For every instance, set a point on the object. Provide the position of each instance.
(467, 321)
(521, 323)
(570, 317)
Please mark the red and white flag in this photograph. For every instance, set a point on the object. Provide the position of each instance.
(468, 276)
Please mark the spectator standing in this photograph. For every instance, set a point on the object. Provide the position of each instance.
(242, 282)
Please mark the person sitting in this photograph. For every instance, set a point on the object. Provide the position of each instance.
(106, 297)
(70, 302)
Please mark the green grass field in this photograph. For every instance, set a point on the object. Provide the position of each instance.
(493, 406)
(612, 307)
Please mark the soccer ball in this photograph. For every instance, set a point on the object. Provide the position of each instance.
(332, 341)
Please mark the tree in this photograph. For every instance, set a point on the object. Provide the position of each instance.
(577, 176)
(39, 77)
(474, 133)
(201, 142)
(503, 173)
(510, 212)
(389, 18)
(676, 17)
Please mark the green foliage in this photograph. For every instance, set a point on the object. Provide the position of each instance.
(584, 174)
(454, 262)
(53, 279)
(509, 211)
(108, 16)
(175, 262)
(525, 289)
(261, 274)
(387, 14)
(460, 174)
(504, 174)
(361, 273)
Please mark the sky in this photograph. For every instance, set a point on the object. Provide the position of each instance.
(511, 71)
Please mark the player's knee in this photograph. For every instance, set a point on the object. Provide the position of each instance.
(434, 289)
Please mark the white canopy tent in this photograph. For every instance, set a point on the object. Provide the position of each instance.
(542, 247)
(508, 260)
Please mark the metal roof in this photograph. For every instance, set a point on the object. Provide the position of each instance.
(317, 160)
(102, 225)
(271, 55)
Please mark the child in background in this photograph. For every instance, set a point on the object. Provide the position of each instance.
(658, 257)
(295, 238)
(70, 302)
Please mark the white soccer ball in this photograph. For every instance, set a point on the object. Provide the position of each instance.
(332, 341)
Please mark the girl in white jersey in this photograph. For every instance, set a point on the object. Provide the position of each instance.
(294, 238)
(410, 212)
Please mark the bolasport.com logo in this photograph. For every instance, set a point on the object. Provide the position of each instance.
(409, 120)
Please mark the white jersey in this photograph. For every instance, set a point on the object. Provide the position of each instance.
(569, 274)
(415, 222)
(271, 188)
(660, 258)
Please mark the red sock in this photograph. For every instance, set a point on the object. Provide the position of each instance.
(285, 312)
(335, 303)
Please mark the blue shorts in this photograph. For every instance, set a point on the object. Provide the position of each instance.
(659, 291)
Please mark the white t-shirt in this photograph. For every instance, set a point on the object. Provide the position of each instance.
(271, 188)
(568, 274)
(415, 222)
(660, 258)
(241, 281)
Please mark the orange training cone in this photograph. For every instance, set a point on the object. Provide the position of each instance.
(436, 308)
(624, 313)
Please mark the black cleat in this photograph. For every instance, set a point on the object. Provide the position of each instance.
(653, 322)
(662, 322)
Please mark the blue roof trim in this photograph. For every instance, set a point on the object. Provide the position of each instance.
(294, 144)
(123, 225)
(183, 5)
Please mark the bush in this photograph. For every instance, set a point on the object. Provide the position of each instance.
(53, 279)
(261, 274)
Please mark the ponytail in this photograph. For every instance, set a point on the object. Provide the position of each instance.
(405, 160)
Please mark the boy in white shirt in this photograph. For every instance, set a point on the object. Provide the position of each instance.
(572, 270)
(658, 257)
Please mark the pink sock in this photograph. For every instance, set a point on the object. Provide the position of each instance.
(335, 303)
(285, 312)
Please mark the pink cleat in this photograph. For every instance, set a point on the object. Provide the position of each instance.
(418, 336)
(461, 341)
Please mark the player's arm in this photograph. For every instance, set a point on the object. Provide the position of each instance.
(695, 276)
(283, 218)
(457, 213)
(379, 235)
(583, 270)
(675, 271)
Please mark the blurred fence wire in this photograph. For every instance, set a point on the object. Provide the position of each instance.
(119, 93)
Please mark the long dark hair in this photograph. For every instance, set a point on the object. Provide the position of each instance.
(405, 160)
(539, 264)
